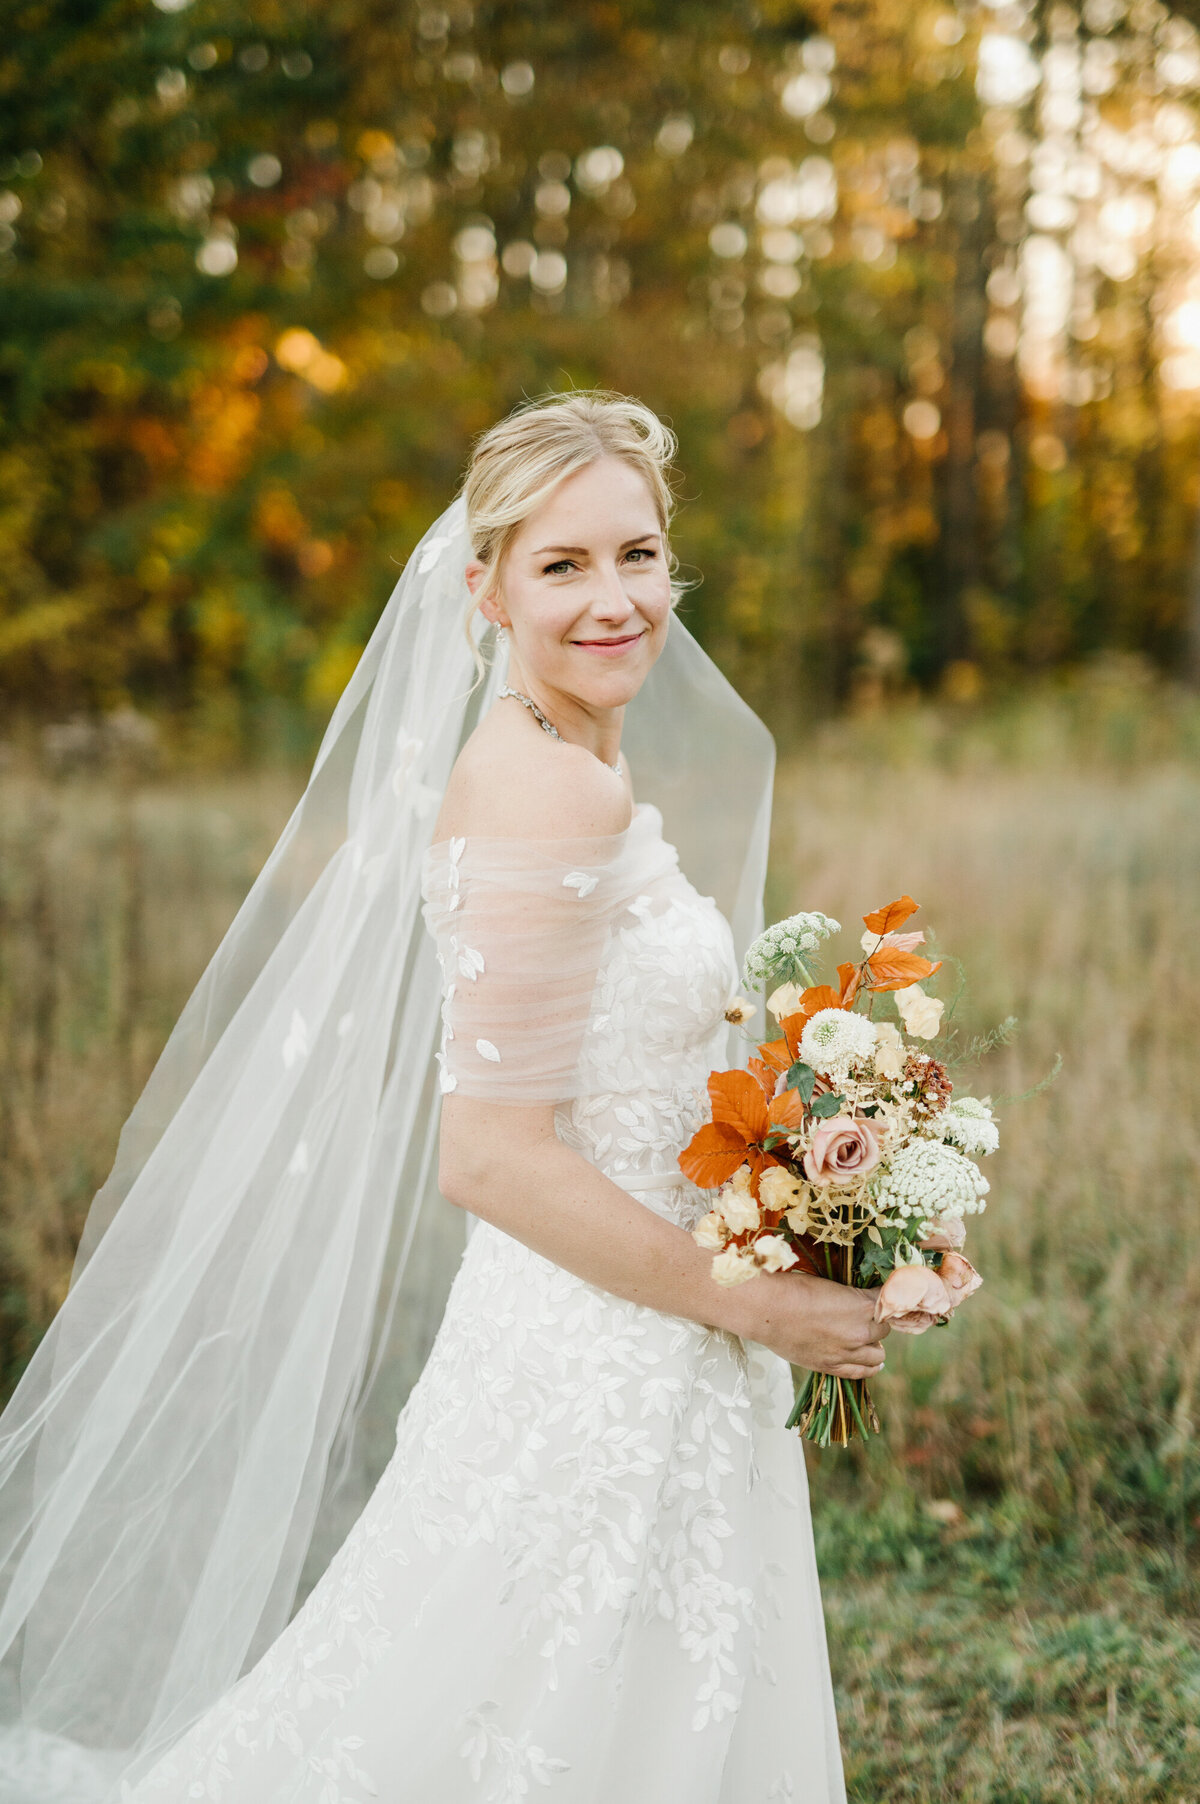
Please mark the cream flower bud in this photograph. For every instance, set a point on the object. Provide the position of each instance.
(710, 1232)
(784, 1001)
(773, 1253)
(733, 1267)
(889, 1054)
(779, 1188)
(737, 1209)
(921, 1014)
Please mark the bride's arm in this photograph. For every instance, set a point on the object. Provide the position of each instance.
(507, 1166)
(503, 1160)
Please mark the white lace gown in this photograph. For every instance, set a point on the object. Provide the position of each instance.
(587, 1573)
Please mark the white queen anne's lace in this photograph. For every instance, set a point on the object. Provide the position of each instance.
(968, 1123)
(777, 955)
(926, 1181)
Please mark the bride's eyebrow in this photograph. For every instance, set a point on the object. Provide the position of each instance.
(582, 550)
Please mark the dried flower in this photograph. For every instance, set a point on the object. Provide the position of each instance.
(740, 1010)
(927, 1083)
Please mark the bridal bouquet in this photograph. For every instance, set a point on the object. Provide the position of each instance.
(842, 1150)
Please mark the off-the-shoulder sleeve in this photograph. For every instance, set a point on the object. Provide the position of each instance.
(521, 927)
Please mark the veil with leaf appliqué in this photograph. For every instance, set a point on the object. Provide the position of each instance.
(217, 1396)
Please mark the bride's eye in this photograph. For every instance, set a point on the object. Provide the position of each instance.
(642, 551)
(564, 563)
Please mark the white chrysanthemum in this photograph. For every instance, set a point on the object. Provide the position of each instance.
(777, 956)
(968, 1123)
(835, 1039)
(926, 1181)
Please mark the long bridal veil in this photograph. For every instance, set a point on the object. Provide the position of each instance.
(217, 1395)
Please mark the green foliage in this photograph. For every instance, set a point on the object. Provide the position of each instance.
(265, 271)
(801, 1077)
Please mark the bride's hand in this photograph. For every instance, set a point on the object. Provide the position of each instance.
(810, 1322)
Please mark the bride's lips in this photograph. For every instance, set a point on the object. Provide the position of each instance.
(608, 648)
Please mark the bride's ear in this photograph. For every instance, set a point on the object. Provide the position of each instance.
(490, 607)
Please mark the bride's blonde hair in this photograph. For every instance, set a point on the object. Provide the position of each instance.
(517, 463)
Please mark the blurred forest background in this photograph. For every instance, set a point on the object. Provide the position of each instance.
(919, 287)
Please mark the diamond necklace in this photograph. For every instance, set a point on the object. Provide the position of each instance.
(545, 724)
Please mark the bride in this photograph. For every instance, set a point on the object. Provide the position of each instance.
(586, 1568)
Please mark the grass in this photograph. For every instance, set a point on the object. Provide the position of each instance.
(1012, 1582)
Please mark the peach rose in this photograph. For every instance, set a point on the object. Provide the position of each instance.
(913, 1298)
(959, 1276)
(945, 1236)
(842, 1148)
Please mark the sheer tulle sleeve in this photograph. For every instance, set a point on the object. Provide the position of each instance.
(521, 927)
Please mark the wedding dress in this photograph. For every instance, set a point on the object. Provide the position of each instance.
(587, 1572)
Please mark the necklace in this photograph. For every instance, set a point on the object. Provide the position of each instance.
(545, 724)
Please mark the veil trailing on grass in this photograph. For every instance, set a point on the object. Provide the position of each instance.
(217, 1396)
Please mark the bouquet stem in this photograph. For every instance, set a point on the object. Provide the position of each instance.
(832, 1412)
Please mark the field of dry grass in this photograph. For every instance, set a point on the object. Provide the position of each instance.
(1012, 1582)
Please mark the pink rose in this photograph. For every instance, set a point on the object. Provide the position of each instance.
(913, 1298)
(945, 1236)
(841, 1148)
(960, 1278)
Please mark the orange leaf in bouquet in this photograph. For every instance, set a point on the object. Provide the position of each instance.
(787, 1111)
(712, 1155)
(737, 1099)
(892, 969)
(891, 915)
(776, 1059)
(765, 1074)
(739, 1122)
(850, 976)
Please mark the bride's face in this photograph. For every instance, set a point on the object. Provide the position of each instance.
(585, 592)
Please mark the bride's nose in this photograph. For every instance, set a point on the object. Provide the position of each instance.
(609, 600)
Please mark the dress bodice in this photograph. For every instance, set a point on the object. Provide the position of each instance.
(662, 977)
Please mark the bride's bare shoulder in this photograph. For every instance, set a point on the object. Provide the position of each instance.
(513, 781)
